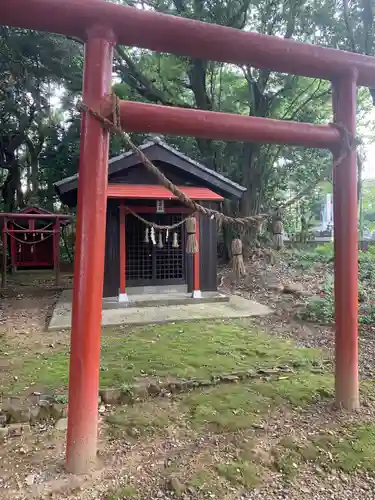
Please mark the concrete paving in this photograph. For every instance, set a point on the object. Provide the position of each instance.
(224, 307)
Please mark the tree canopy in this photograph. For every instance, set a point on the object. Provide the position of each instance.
(40, 82)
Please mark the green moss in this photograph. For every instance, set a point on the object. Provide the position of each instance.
(350, 449)
(240, 472)
(235, 407)
(298, 390)
(205, 481)
(227, 408)
(353, 449)
(287, 462)
(143, 419)
(188, 350)
(125, 493)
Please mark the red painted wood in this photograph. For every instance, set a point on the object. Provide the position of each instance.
(122, 250)
(155, 192)
(13, 248)
(140, 117)
(5, 249)
(346, 252)
(35, 210)
(26, 216)
(196, 264)
(187, 37)
(31, 231)
(89, 260)
(38, 263)
(56, 251)
(41, 254)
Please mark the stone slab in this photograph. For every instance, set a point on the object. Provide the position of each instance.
(154, 298)
(235, 307)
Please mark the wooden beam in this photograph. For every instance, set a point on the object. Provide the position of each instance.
(196, 263)
(4, 266)
(89, 261)
(346, 252)
(186, 37)
(122, 270)
(11, 216)
(152, 210)
(140, 117)
(13, 248)
(56, 251)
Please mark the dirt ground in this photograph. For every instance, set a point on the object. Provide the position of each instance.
(144, 467)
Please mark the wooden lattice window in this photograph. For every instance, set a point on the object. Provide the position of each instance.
(146, 263)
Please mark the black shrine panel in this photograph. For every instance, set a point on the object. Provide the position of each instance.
(146, 262)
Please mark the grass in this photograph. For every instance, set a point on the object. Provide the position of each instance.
(190, 350)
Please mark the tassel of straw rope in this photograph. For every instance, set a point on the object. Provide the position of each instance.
(278, 230)
(191, 229)
(237, 259)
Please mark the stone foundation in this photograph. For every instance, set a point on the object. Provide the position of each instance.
(45, 407)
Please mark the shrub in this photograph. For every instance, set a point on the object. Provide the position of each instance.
(320, 308)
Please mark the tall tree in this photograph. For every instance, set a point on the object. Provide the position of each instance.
(33, 66)
(165, 79)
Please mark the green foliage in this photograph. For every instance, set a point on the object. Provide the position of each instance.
(35, 68)
(324, 252)
(320, 308)
(40, 82)
(368, 203)
(305, 258)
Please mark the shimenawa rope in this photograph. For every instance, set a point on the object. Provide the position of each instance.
(157, 226)
(35, 242)
(348, 144)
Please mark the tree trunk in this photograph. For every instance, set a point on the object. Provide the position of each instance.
(11, 191)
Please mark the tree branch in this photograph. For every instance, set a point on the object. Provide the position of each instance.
(137, 80)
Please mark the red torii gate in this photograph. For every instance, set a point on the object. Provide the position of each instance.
(101, 25)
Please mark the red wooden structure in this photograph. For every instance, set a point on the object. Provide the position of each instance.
(132, 259)
(33, 236)
(102, 25)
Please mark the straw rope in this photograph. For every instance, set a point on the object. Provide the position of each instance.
(35, 242)
(348, 144)
(21, 227)
(157, 226)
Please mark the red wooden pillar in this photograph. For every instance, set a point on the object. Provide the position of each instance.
(4, 266)
(13, 249)
(197, 294)
(123, 296)
(346, 251)
(89, 259)
(56, 250)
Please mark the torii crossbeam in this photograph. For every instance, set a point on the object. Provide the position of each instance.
(101, 25)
